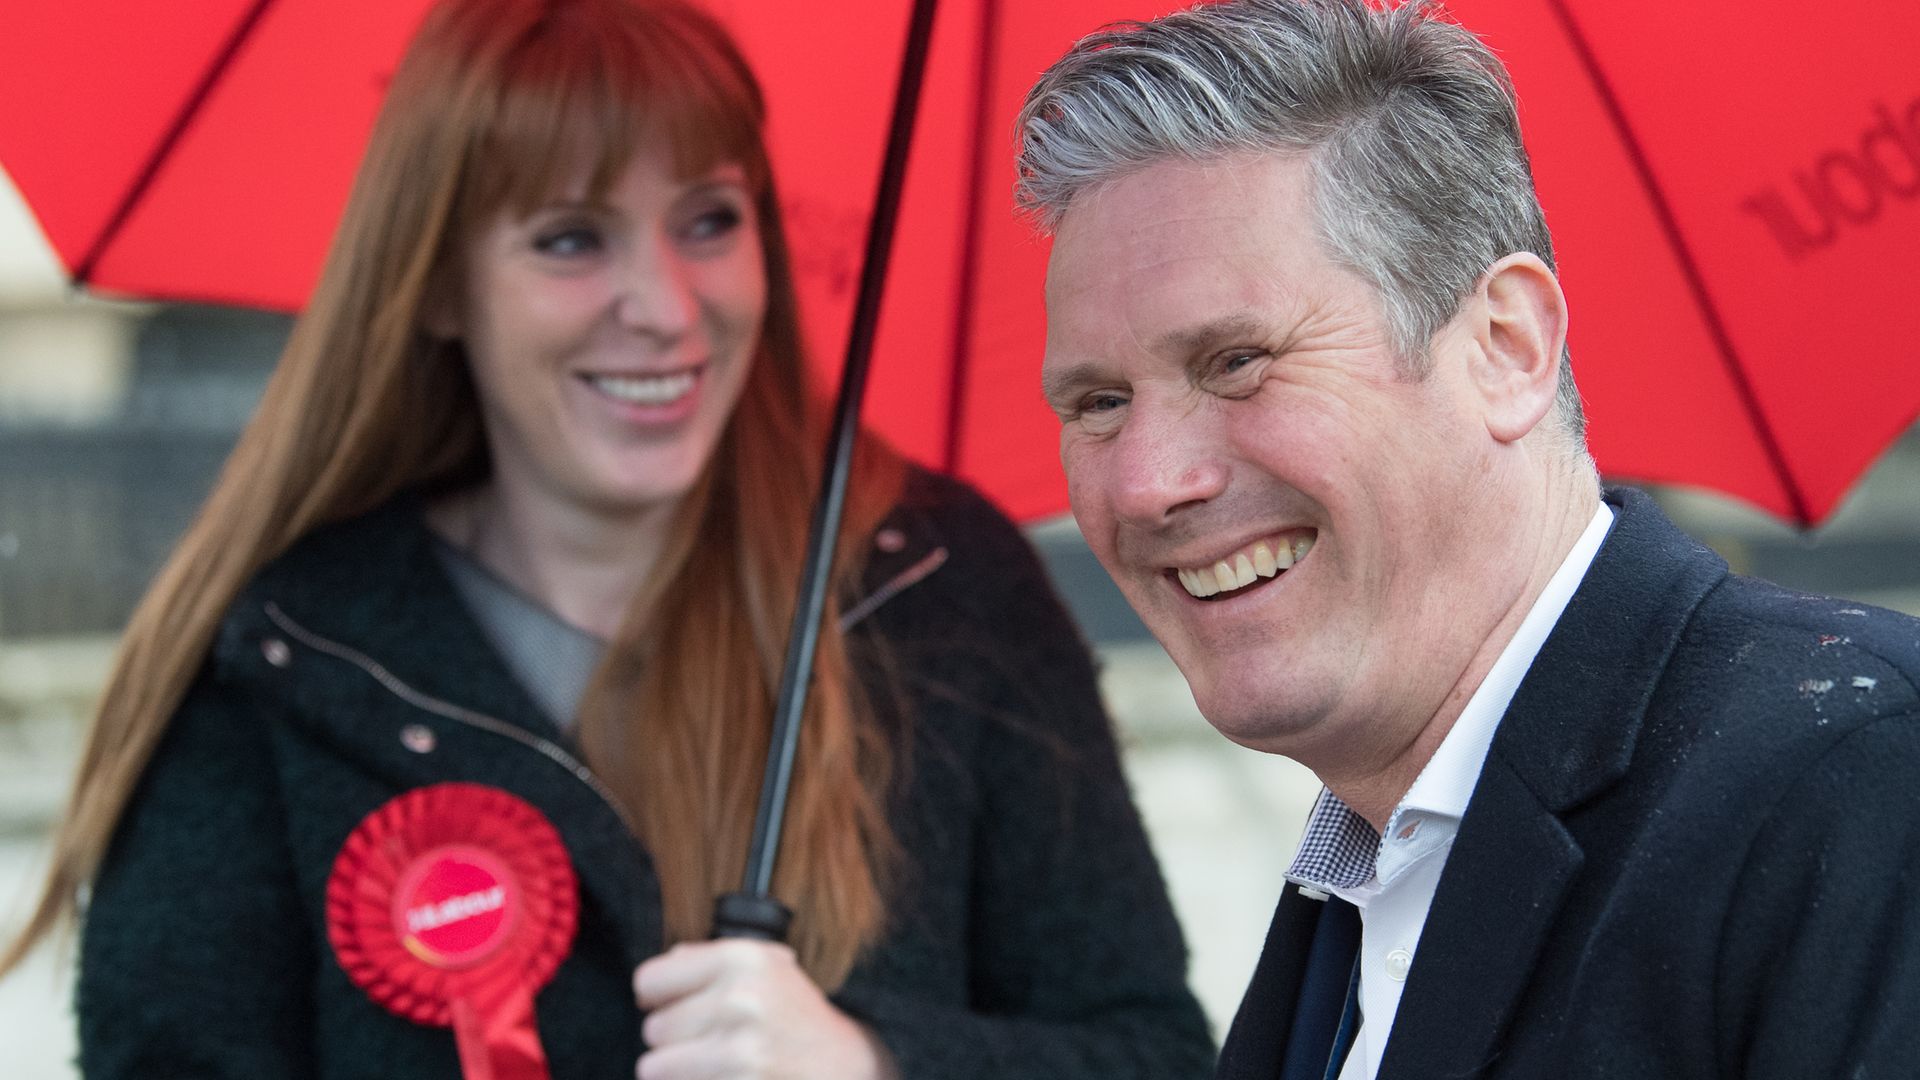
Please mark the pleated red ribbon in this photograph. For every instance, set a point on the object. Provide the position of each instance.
(452, 905)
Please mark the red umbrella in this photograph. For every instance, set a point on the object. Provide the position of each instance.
(203, 152)
(1734, 189)
(1736, 197)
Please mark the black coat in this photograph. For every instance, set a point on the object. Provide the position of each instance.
(1694, 850)
(1030, 936)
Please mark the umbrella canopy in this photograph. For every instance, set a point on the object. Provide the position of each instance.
(204, 151)
(1734, 192)
(1736, 200)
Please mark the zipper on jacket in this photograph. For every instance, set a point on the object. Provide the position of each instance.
(460, 714)
(553, 751)
(895, 585)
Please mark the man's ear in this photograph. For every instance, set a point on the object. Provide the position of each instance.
(1516, 368)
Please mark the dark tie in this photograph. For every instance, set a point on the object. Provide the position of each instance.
(1327, 1013)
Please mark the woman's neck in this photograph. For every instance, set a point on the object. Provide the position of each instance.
(583, 566)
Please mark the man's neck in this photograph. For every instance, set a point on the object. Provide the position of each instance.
(1375, 789)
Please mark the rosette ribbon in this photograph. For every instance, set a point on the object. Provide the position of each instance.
(452, 905)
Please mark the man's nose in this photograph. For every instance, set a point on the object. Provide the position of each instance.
(656, 294)
(1168, 459)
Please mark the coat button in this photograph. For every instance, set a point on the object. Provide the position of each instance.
(276, 652)
(418, 738)
(890, 540)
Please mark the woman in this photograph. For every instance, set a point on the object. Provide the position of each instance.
(520, 520)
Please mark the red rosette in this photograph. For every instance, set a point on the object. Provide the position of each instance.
(452, 905)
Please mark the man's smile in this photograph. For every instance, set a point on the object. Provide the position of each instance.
(1247, 566)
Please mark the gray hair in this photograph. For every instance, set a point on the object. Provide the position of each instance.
(1420, 181)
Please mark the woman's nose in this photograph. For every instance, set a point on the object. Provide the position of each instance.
(656, 293)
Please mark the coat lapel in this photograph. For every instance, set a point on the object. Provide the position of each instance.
(1568, 735)
(1256, 1043)
(1503, 887)
(393, 606)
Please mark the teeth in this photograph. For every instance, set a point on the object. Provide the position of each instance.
(1243, 568)
(645, 390)
(1198, 583)
(1263, 563)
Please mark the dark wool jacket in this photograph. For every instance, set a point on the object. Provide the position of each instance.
(1030, 935)
(1694, 850)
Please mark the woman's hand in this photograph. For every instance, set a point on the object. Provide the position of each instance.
(743, 1010)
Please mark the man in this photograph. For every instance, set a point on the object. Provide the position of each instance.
(1600, 808)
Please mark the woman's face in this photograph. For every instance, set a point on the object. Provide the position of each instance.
(610, 339)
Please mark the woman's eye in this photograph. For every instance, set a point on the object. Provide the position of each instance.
(569, 241)
(715, 223)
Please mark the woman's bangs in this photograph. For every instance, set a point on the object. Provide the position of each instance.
(575, 101)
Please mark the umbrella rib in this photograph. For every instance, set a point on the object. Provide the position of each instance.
(189, 111)
(964, 298)
(1689, 268)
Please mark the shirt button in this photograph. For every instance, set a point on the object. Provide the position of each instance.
(890, 540)
(276, 652)
(417, 738)
(1399, 962)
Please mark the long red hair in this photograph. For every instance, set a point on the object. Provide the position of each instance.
(492, 101)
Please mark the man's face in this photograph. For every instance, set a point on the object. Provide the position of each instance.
(1229, 395)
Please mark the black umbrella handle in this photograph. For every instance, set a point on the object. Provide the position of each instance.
(744, 915)
(753, 912)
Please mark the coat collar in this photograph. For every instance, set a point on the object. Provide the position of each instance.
(1568, 735)
(361, 631)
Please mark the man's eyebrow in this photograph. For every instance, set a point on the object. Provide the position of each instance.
(1057, 384)
(1235, 328)
(1188, 344)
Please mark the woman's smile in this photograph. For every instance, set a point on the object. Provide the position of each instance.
(651, 399)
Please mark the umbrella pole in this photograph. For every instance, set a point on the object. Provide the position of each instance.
(753, 912)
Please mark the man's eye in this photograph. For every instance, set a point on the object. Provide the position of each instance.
(568, 241)
(1101, 403)
(1235, 374)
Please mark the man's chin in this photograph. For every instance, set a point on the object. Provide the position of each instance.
(1265, 729)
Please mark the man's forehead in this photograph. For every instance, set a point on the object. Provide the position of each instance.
(1177, 303)
(1183, 217)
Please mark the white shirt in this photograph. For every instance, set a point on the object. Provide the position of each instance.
(1391, 877)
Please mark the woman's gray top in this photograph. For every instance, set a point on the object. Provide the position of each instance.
(552, 659)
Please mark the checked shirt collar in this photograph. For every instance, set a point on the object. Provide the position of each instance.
(1340, 853)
